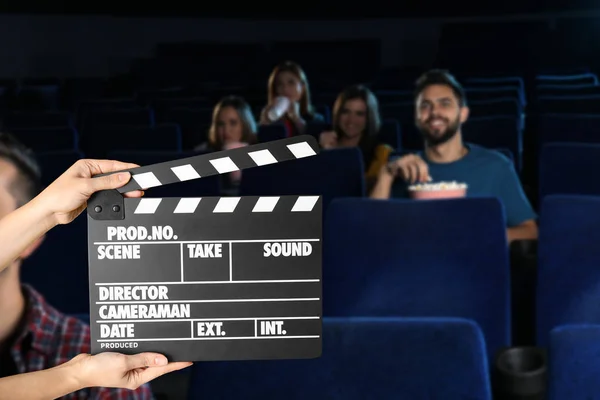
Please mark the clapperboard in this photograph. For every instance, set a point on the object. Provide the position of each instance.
(211, 278)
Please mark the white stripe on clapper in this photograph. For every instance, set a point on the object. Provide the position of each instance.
(147, 180)
(224, 165)
(265, 204)
(226, 205)
(185, 172)
(147, 206)
(305, 203)
(262, 157)
(300, 150)
(187, 205)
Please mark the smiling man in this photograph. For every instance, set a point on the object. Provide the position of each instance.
(441, 109)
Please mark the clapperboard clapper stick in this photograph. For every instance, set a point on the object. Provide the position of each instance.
(211, 278)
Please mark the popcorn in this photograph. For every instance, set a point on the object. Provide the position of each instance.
(438, 186)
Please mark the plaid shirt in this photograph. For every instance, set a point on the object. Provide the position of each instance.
(50, 338)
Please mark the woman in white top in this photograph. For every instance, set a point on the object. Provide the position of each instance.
(288, 88)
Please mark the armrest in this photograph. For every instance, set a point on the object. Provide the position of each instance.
(523, 276)
(525, 248)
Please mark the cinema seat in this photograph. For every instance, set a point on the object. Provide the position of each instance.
(363, 358)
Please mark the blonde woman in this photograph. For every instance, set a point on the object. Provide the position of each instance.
(289, 101)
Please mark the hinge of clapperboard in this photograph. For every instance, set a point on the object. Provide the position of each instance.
(109, 204)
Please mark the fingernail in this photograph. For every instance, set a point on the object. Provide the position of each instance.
(160, 361)
(123, 176)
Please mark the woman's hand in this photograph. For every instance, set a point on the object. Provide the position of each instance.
(119, 370)
(293, 111)
(328, 139)
(67, 196)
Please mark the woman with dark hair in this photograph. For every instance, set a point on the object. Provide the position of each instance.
(289, 99)
(356, 123)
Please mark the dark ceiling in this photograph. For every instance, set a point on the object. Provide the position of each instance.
(300, 9)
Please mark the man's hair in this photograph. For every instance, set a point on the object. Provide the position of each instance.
(27, 184)
(441, 77)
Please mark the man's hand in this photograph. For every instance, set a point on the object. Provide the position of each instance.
(67, 196)
(411, 168)
(117, 370)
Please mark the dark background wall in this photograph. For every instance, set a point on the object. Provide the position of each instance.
(100, 45)
(103, 45)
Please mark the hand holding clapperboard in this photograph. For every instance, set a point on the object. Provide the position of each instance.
(212, 278)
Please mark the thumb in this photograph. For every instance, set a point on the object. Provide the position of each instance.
(143, 360)
(112, 181)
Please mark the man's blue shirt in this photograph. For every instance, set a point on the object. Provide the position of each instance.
(487, 173)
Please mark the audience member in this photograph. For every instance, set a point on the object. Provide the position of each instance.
(289, 99)
(33, 335)
(60, 203)
(356, 122)
(441, 109)
(233, 126)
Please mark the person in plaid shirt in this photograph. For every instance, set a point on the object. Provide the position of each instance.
(34, 335)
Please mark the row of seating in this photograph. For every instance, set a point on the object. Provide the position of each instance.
(378, 261)
(494, 96)
(409, 358)
(501, 113)
(123, 130)
(493, 132)
(564, 169)
(54, 93)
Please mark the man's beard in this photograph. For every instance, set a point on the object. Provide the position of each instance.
(432, 136)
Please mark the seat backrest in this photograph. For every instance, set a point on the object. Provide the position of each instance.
(569, 168)
(32, 120)
(419, 258)
(585, 78)
(568, 284)
(98, 142)
(49, 139)
(315, 129)
(363, 358)
(268, 133)
(391, 133)
(568, 128)
(574, 364)
(54, 163)
(141, 116)
(493, 132)
(331, 174)
(59, 268)
(579, 104)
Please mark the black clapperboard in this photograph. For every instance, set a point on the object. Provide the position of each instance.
(211, 278)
